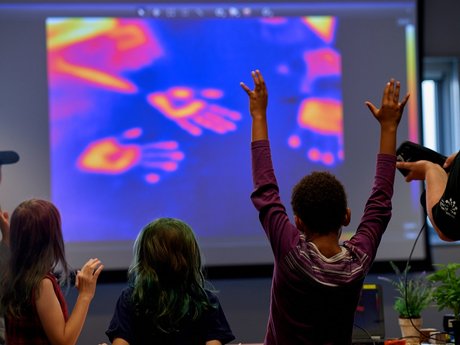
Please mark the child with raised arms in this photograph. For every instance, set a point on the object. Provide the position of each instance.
(316, 280)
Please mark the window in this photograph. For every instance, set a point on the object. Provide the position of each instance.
(441, 110)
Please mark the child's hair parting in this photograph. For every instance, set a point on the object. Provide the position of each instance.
(36, 249)
(320, 201)
(166, 274)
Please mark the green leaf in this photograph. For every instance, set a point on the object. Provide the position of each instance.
(447, 287)
(414, 293)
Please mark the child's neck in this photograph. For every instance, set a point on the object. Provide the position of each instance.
(327, 244)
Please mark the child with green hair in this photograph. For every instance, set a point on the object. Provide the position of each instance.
(166, 301)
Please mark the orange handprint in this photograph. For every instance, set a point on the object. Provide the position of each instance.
(320, 120)
(111, 156)
(193, 113)
(108, 156)
(100, 51)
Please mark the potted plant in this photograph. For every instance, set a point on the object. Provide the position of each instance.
(447, 292)
(414, 295)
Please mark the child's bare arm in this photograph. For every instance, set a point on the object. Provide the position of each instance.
(58, 330)
(389, 115)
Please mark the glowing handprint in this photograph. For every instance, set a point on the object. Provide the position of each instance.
(94, 76)
(320, 63)
(181, 105)
(108, 156)
(320, 116)
(323, 26)
(98, 51)
(111, 156)
(321, 121)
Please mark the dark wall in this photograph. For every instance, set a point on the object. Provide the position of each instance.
(441, 28)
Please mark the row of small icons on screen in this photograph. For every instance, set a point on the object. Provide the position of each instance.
(218, 12)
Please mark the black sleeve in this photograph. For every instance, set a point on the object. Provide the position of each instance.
(121, 324)
(217, 324)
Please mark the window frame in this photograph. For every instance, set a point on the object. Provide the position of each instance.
(443, 72)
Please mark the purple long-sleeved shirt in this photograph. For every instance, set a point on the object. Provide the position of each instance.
(314, 298)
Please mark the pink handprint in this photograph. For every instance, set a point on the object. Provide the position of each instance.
(193, 111)
(112, 156)
(320, 63)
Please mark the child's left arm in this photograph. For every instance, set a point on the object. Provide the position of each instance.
(389, 115)
(378, 208)
(258, 100)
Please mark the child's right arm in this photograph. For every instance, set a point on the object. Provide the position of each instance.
(58, 331)
(265, 197)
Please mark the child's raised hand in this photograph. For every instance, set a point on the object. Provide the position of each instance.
(390, 112)
(87, 277)
(258, 98)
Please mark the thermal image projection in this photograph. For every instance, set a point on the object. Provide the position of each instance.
(147, 118)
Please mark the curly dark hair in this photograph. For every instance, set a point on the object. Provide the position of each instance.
(320, 201)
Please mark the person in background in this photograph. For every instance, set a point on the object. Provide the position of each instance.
(166, 301)
(31, 299)
(316, 280)
(441, 197)
(6, 157)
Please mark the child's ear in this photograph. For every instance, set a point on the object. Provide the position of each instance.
(347, 219)
(298, 223)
